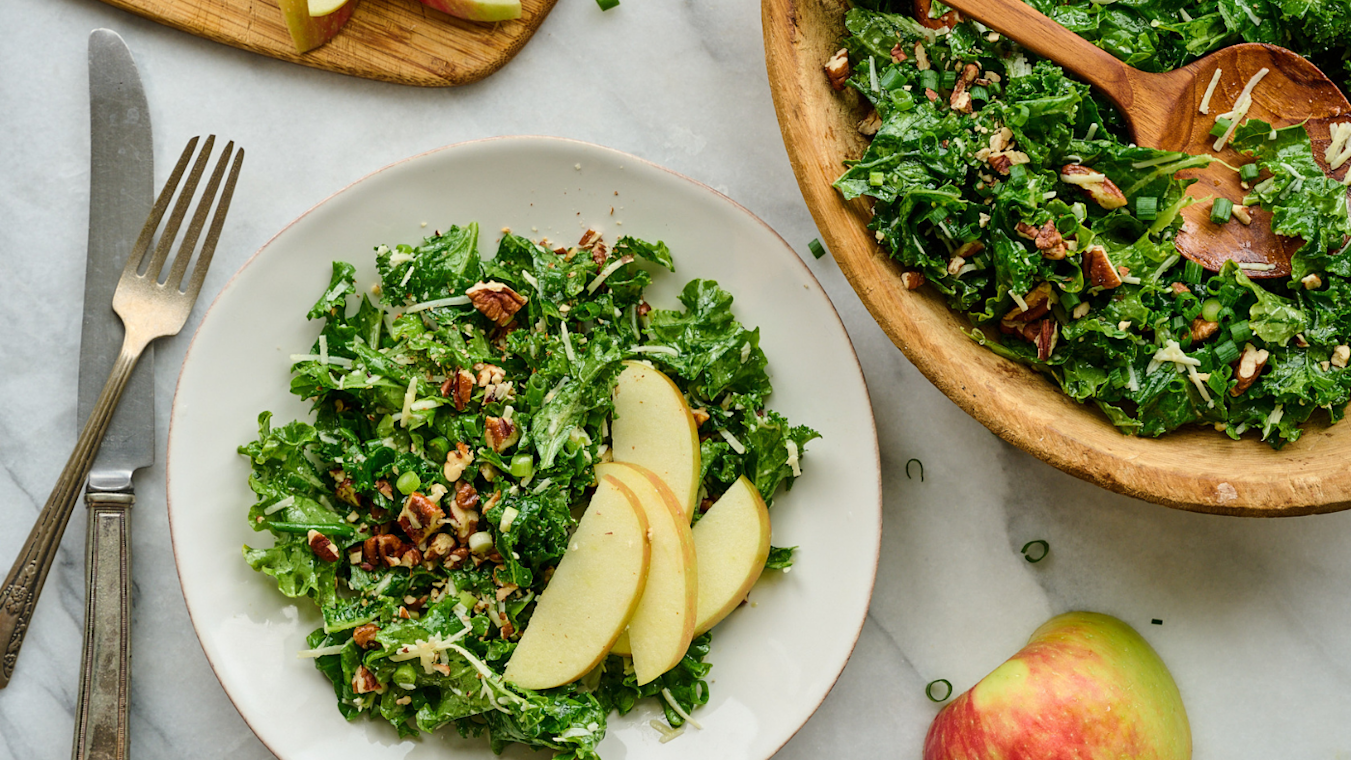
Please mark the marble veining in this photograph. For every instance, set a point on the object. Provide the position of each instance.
(1254, 612)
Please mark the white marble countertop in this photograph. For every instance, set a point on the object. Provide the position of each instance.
(1255, 612)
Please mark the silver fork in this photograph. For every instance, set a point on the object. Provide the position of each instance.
(149, 309)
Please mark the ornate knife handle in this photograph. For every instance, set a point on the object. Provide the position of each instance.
(19, 595)
(105, 670)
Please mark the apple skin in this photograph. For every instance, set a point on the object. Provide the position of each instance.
(478, 10)
(309, 32)
(1086, 687)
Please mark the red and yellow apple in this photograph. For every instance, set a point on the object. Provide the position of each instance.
(1086, 687)
(478, 10)
(314, 22)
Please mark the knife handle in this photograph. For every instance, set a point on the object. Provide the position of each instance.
(19, 595)
(105, 670)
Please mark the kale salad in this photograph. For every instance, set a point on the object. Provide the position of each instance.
(1014, 191)
(458, 413)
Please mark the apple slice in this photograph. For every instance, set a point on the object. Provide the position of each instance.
(309, 31)
(731, 541)
(593, 593)
(324, 7)
(478, 10)
(663, 625)
(654, 428)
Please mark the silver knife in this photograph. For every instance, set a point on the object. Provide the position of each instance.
(121, 191)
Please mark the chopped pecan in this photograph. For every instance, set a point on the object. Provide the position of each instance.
(870, 124)
(346, 492)
(1179, 288)
(466, 496)
(384, 488)
(420, 517)
(898, 54)
(1101, 272)
(1001, 163)
(457, 557)
(1311, 282)
(1202, 329)
(500, 433)
(459, 388)
(1243, 215)
(383, 549)
(1045, 339)
(496, 301)
(489, 374)
(1249, 366)
(837, 69)
(589, 238)
(912, 280)
(322, 546)
(700, 417)
(506, 591)
(456, 461)
(365, 634)
(643, 308)
(440, 547)
(364, 682)
(961, 99)
(411, 557)
(1340, 355)
(1038, 302)
(931, 95)
(508, 630)
(1096, 184)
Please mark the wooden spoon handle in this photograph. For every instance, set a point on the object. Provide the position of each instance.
(1022, 23)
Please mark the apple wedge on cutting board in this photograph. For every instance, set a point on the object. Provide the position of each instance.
(592, 594)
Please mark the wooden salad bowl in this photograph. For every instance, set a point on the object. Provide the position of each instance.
(1195, 468)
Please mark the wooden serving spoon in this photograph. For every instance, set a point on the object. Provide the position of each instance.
(1163, 111)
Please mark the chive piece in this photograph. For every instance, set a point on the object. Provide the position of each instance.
(1155, 621)
(921, 469)
(929, 690)
(1192, 272)
(875, 179)
(1241, 332)
(1179, 324)
(949, 80)
(979, 92)
(1031, 554)
(1147, 208)
(1210, 309)
(1221, 210)
(1248, 172)
(1226, 352)
(816, 248)
(1221, 126)
(606, 5)
(892, 79)
(328, 529)
(1070, 300)
(928, 79)
(904, 101)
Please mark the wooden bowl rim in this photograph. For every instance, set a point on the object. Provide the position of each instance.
(1196, 470)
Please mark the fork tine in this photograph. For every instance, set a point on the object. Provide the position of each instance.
(166, 240)
(213, 234)
(157, 212)
(189, 244)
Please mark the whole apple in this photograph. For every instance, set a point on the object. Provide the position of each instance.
(1086, 687)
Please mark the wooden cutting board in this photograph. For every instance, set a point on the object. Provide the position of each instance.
(400, 41)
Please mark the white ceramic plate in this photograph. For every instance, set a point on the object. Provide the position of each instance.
(773, 661)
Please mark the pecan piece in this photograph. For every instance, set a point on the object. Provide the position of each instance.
(489, 374)
(898, 54)
(961, 99)
(364, 682)
(1202, 329)
(1340, 355)
(411, 557)
(1038, 302)
(1249, 366)
(500, 433)
(837, 69)
(456, 461)
(466, 496)
(420, 517)
(384, 549)
(1045, 339)
(1101, 272)
(457, 557)
(1096, 184)
(364, 635)
(496, 301)
(870, 124)
(1001, 163)
(440, 548)
(700, 417)
(459, 388)
(912, 280)
(322, 546)
(1179, 288)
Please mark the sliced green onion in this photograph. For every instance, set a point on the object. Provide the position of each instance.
(437, 449)
(928, 79)
(328, 529)
(1210, 309)
(606, 5)
(408, 482)
(1192, 272)
(929, 690)
(1241, 332)
(875, 179)
(522, 466)
(904, 101)
(1070, 300)
(1179, 324)
(979, 92)
(405, 676)
(816, 248)
(892, 79)
(949, 80)
(1147, 208)
(1226, 352)
(1034, 555)
(921, 469)
(1221, 210)
(1248, 172)
(1221, 126)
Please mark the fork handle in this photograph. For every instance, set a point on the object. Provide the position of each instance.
(105, 670)
(19, 595)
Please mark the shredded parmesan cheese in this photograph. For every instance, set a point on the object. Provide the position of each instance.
(1210, 91)
(793, 460)
(670, 700)
(1241, 106)
(336, 361)
(1339, 150)
(1253, 266)
(732, 441)
(321, 651)
(279, 505)
(567, 343)
(435, 303)
(1199, 380)
(611, 269)
(667, 733)
(408, 397)
(1022, 305)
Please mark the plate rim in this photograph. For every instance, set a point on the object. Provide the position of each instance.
(795, 260)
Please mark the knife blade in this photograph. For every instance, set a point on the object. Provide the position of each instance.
(121, 192)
